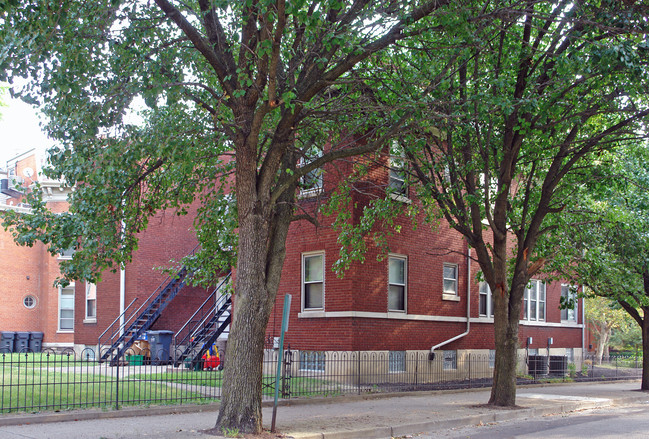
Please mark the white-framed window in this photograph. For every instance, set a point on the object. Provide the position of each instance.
(66, 308)
(312, 361)
(397, 282)
(67, 253)
(450, 280)
(569, 295)
(397, 361)
(397, 185)
(91, 302)
(450, 360)
(313, 182)
(534, 301)
(313, 281)
(486, 304)
(29, 301)
(570, 355)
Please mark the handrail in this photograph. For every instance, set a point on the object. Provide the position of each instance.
(131, 319)
(114, 321)
(202, 305)
(207, 317)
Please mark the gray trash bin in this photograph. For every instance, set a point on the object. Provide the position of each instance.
(21, 343)
(7, 342)
(36, 341)
(160, 342)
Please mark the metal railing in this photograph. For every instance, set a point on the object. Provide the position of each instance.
(64, 380)
(143, 317)
(203, 322)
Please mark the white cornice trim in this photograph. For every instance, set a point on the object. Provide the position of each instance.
(15, 208)
(378, 315)
(418, 317)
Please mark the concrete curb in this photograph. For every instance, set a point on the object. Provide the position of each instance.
(494, 416)
(91, 414)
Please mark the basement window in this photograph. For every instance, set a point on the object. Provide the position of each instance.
(312, 361)
(397, 361)
(450, 360)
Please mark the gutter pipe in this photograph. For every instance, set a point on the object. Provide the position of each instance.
(431, 355)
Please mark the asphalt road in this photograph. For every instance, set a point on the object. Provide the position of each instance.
(629, 422)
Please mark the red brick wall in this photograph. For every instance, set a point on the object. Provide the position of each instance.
(30, 271)
(168, 238)
(364, 288)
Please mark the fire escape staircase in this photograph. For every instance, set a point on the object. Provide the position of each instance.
(139, 321)
(204, 327)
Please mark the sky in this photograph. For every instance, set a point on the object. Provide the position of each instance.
(19, 129)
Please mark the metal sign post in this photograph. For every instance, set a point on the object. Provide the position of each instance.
(280, 354)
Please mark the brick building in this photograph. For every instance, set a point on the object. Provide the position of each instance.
(422, 296)
(29, 301)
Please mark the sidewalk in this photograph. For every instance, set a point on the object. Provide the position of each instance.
(367, 416)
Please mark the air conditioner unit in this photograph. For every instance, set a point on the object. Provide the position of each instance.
(9, 188)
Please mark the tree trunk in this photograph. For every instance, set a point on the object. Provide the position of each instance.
(253, 302)
(503, 391)
(263, 228)
(602, 342)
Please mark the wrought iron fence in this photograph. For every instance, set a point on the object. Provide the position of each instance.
(51, 380)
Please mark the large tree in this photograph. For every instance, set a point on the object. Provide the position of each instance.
(515, 104)
(611, 247)
(603, 319)
(157, 103)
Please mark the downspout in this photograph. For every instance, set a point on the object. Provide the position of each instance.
(431, 355)
(122, 290)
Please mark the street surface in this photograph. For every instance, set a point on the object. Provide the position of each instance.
(630, 422)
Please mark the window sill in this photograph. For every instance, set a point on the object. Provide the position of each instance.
(65, 331)
(312, 313)
(400, 198)
(310, 193)
(451, 297)
(90, 321)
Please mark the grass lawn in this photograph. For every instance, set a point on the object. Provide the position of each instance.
(49, 384)
(298, 386)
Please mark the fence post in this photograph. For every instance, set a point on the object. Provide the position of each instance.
(416, 367)
(286, 373)
(470, 386)
(358, 377)
(117, 384)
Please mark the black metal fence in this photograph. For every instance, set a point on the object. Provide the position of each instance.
(64, 380)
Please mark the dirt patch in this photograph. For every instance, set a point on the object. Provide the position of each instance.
(263, 435)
